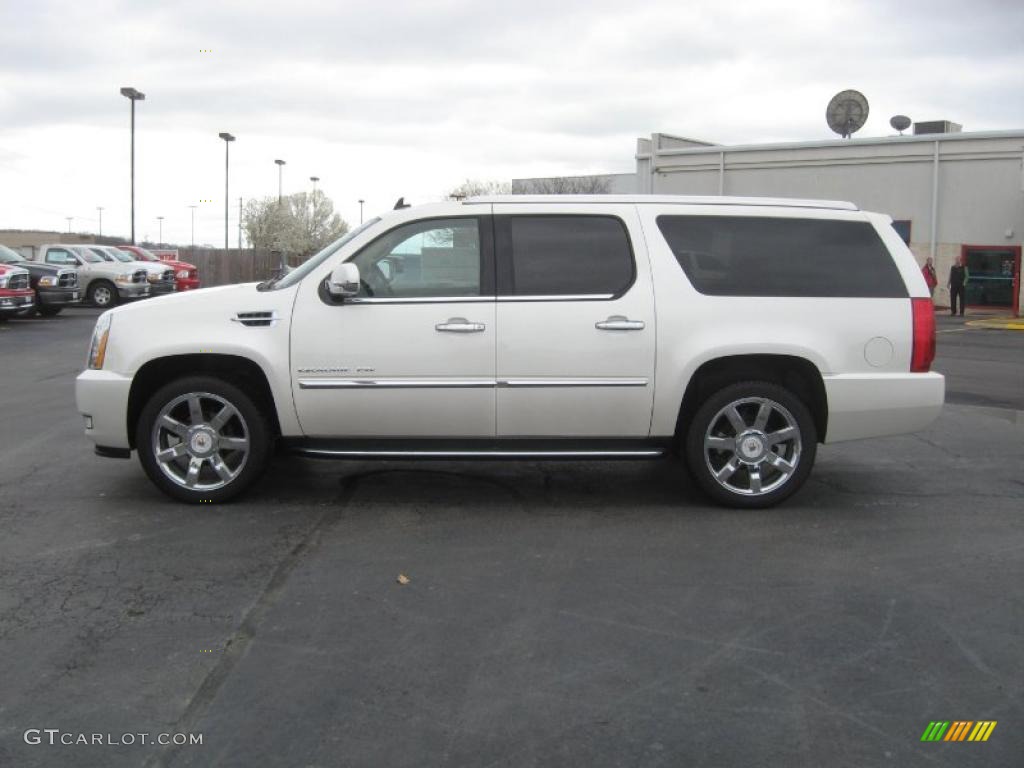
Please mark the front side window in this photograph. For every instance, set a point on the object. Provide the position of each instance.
(430, 258)
(555, 255)
(768, 256)
(60, 256)
(88, 255)
(102, 254)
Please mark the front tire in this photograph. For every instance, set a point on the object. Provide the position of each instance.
(49, 311)
(751, 445)
(102, 294)
(202, 439)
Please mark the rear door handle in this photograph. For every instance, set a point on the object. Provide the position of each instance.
(620, 323)
(459, 325)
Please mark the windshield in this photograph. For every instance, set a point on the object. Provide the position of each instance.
(145, 255)
(8, 256)
(317, 259)
(121, 255)
(88, 255)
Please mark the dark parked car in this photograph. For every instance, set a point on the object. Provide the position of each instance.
(55, 287)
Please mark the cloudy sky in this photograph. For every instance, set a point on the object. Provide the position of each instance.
(382, 99)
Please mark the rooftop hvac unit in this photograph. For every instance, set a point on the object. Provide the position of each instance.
(937, 126)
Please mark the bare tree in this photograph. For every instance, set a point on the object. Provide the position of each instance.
(477, 187)
(562, 185)
(300, 224)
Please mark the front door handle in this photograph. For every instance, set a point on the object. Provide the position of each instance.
(459, 325)
(620, 323)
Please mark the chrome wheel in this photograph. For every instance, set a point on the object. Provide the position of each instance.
(752, 446)
(200, 441)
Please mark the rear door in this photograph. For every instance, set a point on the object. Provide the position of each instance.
(575, 319)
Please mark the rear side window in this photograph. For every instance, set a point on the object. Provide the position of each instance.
(759, 256)
(566, 256)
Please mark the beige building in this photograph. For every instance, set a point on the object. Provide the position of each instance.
(950, 194)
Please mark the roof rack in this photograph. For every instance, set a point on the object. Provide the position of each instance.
(773, 202)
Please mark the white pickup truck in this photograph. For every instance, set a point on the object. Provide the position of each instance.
(740, 333)
(104, 284)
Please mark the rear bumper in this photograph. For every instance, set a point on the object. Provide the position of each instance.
(102, 399)
(875, 405)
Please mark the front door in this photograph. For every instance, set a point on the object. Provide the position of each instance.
(576, 325)
(413, 354)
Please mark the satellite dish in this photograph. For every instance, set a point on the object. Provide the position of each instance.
(847, 113)
(900, 123)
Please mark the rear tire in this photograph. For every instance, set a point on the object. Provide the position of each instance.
(102, 294)
(751, 445)
(203, 440)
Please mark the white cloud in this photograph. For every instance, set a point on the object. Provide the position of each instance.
(409, 98)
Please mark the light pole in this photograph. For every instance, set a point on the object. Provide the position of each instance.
(69, 218)
(314, 179)
(193, 207)
(361, 212)
(100, 209)
(133, 95)
(280, 169)
(161, 220)
(228, 138)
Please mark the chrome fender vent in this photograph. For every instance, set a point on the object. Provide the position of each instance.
(256, 319)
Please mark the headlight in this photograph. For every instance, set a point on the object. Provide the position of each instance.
(48, 281)
(124, 277)
(3, 282)
(153, 277)
(98, 345)
(182, 274)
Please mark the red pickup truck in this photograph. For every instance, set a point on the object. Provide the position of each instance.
(185, 275)
(16, 295)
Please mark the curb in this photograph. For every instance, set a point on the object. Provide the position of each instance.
(1002, 324)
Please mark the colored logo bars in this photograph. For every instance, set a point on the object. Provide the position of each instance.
(958, 730)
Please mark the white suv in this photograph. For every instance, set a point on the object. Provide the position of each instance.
(740, 332)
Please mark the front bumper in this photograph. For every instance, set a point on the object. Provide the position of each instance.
(162, 288)
(876, 405)
(133, 290)
(15, 301)
(188, 283)
(102, 399)
(58, 297)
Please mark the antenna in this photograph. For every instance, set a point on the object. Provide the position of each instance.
(900, 123)
(847, 112)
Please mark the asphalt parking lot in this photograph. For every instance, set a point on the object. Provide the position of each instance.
(555, 613)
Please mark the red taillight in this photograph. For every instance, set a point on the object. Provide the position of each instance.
(923, 351)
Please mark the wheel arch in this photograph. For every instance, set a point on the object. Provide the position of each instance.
(236, 369)
(798, 374)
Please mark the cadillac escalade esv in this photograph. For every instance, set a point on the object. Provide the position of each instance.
(739, 333)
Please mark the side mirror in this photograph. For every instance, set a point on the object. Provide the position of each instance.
(344, 281)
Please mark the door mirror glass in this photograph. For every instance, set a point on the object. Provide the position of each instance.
(343, 281)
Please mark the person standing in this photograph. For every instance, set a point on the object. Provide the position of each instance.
(957, 284)
(930, 278)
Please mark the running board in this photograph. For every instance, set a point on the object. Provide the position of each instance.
(513, 448)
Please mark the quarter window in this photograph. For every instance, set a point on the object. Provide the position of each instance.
(567, 256)
(762, 256)
(430, 258)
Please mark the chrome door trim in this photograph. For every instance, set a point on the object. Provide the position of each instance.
(623, 382)
(567, 297)
(420, 300)
(397, 383)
